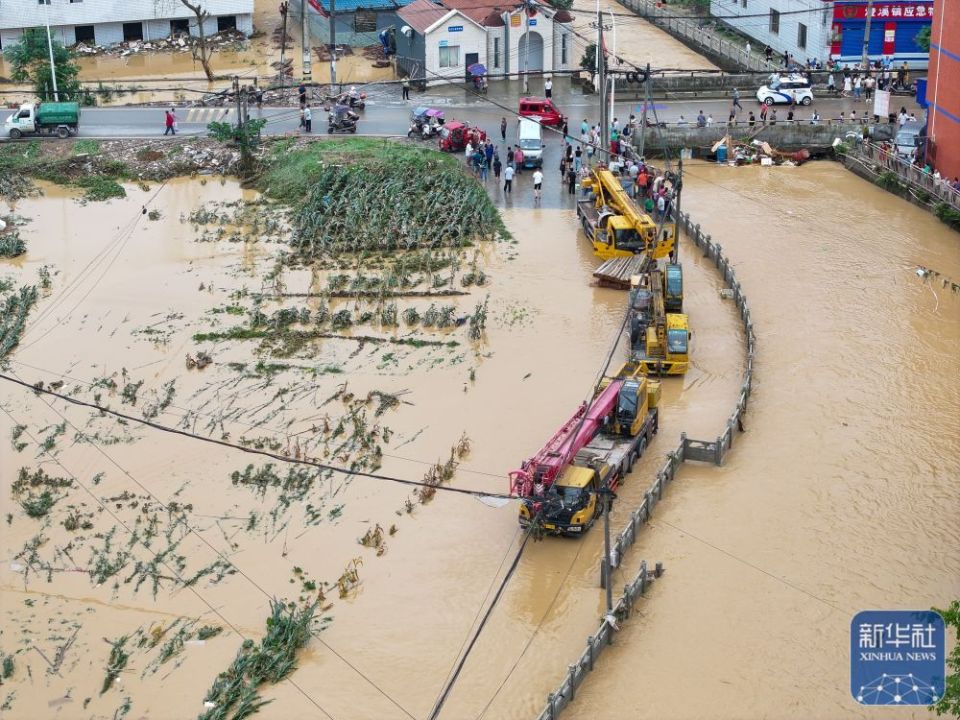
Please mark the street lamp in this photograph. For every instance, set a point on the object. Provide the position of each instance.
(53, 67)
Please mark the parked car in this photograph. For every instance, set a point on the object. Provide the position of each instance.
(541, 109)
(782, 89)
(530, 136)
(909, 138)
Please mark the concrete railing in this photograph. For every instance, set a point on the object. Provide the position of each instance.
(707, 451)
(921, 184)
(706, 39)
(783, 135)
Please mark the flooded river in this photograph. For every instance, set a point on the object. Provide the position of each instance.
(840, 496)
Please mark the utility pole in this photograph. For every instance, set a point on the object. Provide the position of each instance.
(526, 48)
(606, 577)
(613, 80)
(602, 82)
(676, 212)
(865, 60)
(305, 38)
(284, 7)
(647, 102)
(236, 94)
(333, 42)
(53, 67)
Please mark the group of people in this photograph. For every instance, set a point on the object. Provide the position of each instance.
(485, 157)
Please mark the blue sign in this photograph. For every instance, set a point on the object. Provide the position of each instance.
(532, 22)
(897, 657)
(454, 28)
(443, 43)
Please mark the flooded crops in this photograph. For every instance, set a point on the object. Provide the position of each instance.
(185, 318)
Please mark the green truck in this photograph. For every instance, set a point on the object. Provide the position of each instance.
(50, 118)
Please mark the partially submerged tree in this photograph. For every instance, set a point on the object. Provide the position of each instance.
(201, 48)
(30, 60)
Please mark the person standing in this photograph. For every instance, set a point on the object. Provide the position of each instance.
(768, 53)
(537, 186)
(752, 120)
(508, 179)
(302, 94)
(736, 98)
(548, 89)
(168, 122)
(571, 181)
(307, 119)
(748, 48)
(518, 159)
(857, 88)
(497, 166)
(577, 158)
(503, 128)
(405, 87)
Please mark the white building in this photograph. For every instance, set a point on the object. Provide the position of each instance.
(107, 22)
(438, 42)
(799, 27)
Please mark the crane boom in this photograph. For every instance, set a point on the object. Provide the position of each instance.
(544, 467)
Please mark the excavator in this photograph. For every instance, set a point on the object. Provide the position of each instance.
(560, 485)
(659, 332)
(614, 224)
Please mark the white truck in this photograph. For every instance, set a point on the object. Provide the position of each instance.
(49, 118)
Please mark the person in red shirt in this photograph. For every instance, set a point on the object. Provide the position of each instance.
(170, 130)
(518, 159)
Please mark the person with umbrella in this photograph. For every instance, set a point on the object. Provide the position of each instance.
(478, 72)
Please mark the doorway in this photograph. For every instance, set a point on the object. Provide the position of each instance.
(530, 52)
(468, 60)
(132, 31)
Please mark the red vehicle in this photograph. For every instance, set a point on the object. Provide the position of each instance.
(542, 110)
(455, 135)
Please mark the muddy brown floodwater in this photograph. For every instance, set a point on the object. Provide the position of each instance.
(842, 495)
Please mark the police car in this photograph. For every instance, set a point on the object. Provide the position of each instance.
(782, 88)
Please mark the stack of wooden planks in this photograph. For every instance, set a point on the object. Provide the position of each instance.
(616, 272)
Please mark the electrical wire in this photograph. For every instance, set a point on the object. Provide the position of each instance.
(156, 556)
(250, 450)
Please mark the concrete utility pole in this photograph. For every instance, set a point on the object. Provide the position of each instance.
(613, 80)
(284, 7)
(607, 575)
(865, 60)
(236, 94)
(526, 48)
(53, 67)
(305, 38)
(333, 42)
(676, 213)
(602, 82)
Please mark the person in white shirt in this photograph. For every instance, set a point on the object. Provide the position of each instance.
(537, 185)
(508, 179)
(548, 89)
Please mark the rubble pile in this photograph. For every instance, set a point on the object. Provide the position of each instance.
(323, 51)
(376, 54)
(225, 40)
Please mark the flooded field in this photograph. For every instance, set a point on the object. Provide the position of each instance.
(822, 509)
(842, 495)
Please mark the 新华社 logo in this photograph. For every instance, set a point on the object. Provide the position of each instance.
(897, 657)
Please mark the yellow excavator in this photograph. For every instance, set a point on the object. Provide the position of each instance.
(615, 225)
(659, 340)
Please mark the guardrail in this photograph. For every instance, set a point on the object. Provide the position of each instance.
(665, 16)
(698, 450)
(921, 184)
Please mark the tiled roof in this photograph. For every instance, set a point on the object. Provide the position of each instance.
(421, 14)
(352, 5)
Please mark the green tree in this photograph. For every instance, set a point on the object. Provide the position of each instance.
(949, 704)
(245, 137)
(30, 60)
(922, 38)
(589, 60)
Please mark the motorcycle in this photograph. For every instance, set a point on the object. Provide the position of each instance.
(342, 119)
(353, 99)
(425, 123)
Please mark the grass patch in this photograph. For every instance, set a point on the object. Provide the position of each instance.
(99, 187)
(12, 245)
(947, 215)
(14, 308)
(86, 147)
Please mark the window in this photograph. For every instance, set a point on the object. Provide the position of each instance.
(75, 1)
(365, 21)
(43, 2)
(85, 34)
(676, 341)
(132, 31)
(775, 21)
(743, 3)
(496, 52)
(450, 56)
(563, 49)
(226, 22)
(179, 27)
(801, 36)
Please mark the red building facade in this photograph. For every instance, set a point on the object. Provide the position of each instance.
(943, 89)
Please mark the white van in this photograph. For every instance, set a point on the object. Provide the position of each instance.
(909, 138)
(531, 142)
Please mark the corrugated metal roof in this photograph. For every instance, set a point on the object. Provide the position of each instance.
(344, 6)
(29, 13)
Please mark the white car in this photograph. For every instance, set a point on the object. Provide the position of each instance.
(784, 89)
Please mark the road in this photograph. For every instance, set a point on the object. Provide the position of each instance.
(391, 117)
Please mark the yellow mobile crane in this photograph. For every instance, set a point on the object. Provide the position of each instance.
(613, 223)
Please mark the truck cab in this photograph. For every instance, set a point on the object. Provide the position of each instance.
(678, 340)
(571, 503)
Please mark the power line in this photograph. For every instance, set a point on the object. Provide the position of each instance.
(250, 450)
(155, 556)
